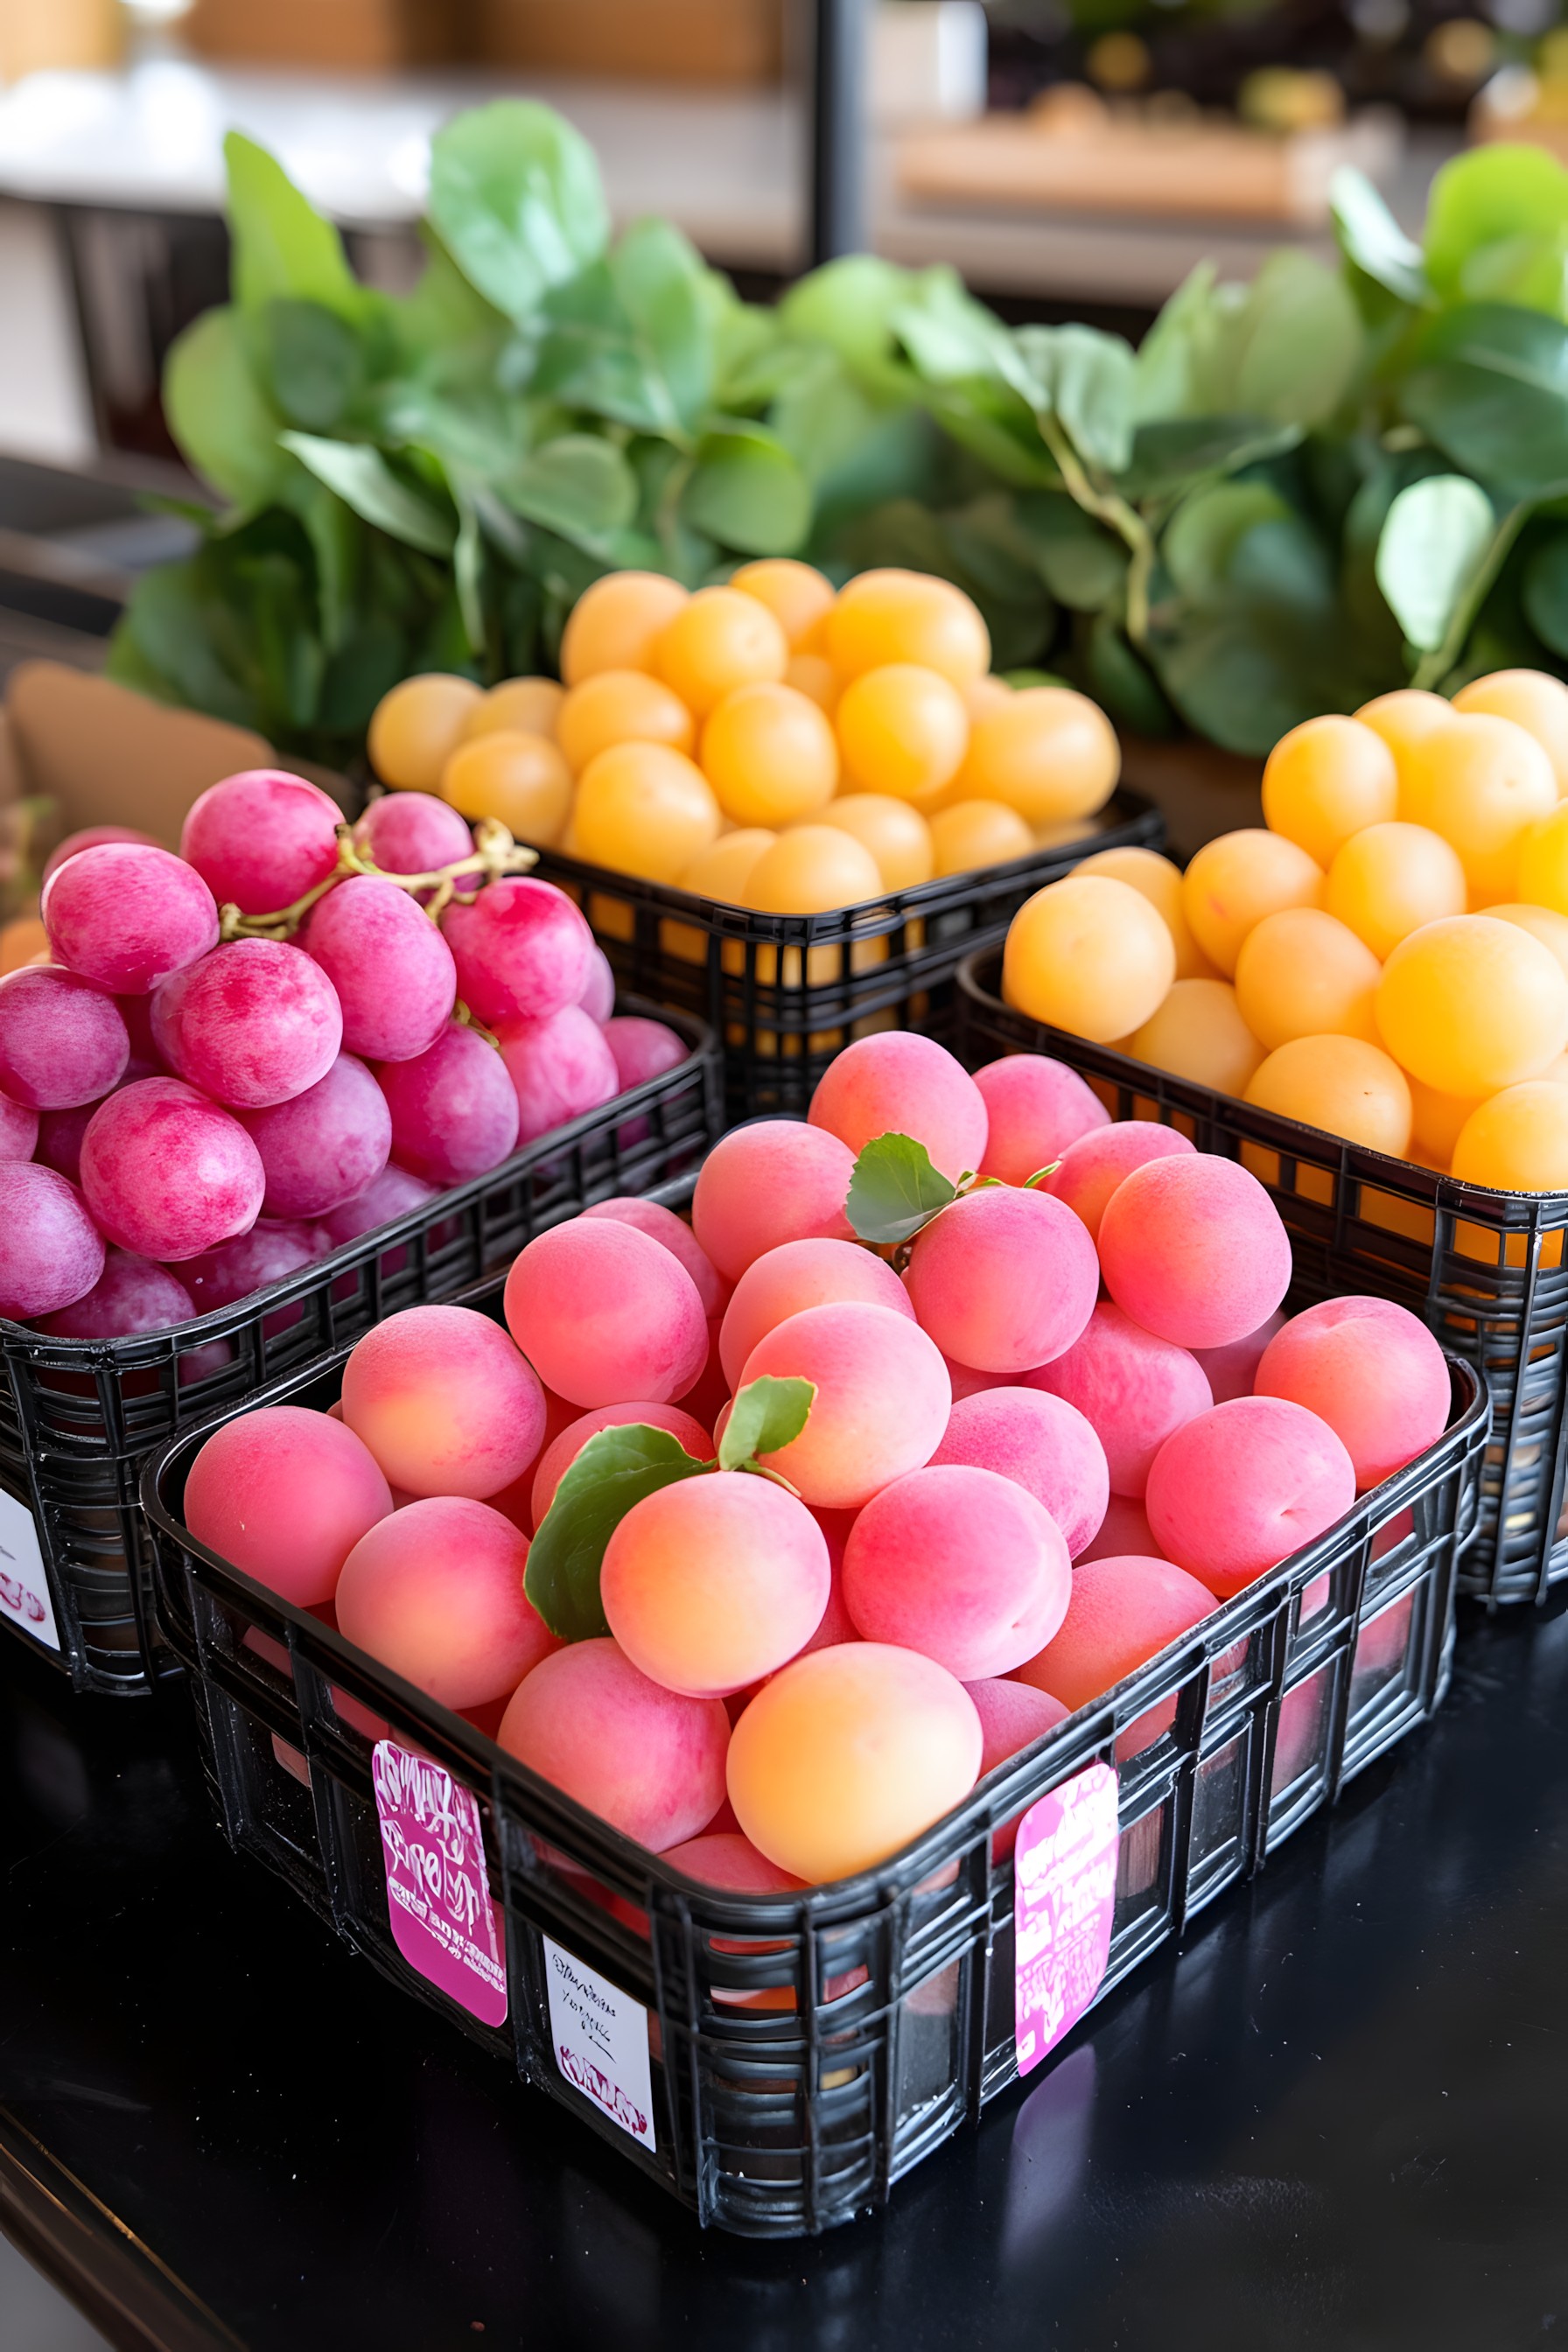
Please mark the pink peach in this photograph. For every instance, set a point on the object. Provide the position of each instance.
(647, 1760)
(1133, 1389)
(963, 1565)
(1093, 1167)
(1245, 1486)
(1041, 1442)
(797, 1275)
(1035, 1107)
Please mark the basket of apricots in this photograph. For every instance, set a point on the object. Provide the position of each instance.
(810, 1593)
(787, 807)
(1366, 999)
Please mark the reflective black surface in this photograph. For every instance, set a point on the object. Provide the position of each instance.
(1338, 2119)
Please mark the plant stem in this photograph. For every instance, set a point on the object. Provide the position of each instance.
(495, 853)
(1436, 665)
(1107, 507)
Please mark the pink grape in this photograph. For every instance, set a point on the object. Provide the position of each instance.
(255, 1022)
(136, 1011)
(1135, 1391)
(51, 1254)
(93, 836)
(130, 1295)
(597, 996)
(62, 1041)
(261, 839)
(522, 950)
(604, 1315)
(445, 1402)
(59, 1144)
(453, 1108)
(285, 1495)
(643, 1049)
(673, 1234)
(324, 1146)
(391, 967)
(166, 1172)
(266, 1254)
(1036, 1107)
(20, 1128)
(413, 832)
(1044, 1445)
(127, 916)
(388, 1196)
(560, 1067)
(436, 1591)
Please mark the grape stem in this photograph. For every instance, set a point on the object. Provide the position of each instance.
(495, 853)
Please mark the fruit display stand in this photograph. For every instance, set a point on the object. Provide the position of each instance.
(777, 2063)
(1484, 1269)
(785, 993)
(78, 1416)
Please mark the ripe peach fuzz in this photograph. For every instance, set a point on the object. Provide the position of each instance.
(1004, 1280)
(882, 1399)
(1372, 1371)
(963, 1565)
(1231, 1369)
(1093, 1167)
(1243, 1486)
(563, 1449)
(604, 1315)
(285, 1495)
(776, 1181)
(1122, 1612)
(797, 1275)
(1124, 1534)
(1011, 1716)
(1193, 1249)
(673, 1234)
(899, 1083)
(647, 1760)
(1134, 1391)
(1035, 1109)
(711, 1583)
(443, 1401)
(848, 1754)
(1044, 1445)
(435, 1592)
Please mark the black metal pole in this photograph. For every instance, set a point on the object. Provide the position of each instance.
(839, 128)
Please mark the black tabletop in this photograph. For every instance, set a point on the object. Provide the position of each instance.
(1338, 2117)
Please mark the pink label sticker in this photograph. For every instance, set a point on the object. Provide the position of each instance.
(1064, 1894)
(437, 1894)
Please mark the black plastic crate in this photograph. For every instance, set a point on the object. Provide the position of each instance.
(78, 1416)
(1484, 1269)
(785, 993)
(804, 2052)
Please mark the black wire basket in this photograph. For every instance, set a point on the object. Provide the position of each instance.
(781, 2061)
(78, 1416)
(785, 993)
(1483, 1269)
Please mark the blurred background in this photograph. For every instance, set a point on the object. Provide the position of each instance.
(1072, 158)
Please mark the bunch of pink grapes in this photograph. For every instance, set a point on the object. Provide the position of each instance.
(1046, 1438)
(185, 1118)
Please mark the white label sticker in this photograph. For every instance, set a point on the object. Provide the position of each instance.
(600, 2036)
(24, 1587)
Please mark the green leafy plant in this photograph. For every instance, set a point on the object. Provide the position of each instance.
(1293, 494)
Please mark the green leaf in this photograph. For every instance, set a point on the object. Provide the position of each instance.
(662, 284)
(1175, 453)
(895, 1190)
(1490, 388)
(1121, 684)
(446, 318)
(578, 486)
(1207, 528)
(219, 415)
(283, 249)
(614, 1472)
(313, 360)
(1370, 238)
(1173, 354)
(364, 481)
(467, 572)
(850, 305)
(516, 198)
(767, 1413)
(1292, 348)
(1492, 194)
(1080, 563)
(747, 492)
(1532, 271)
(1433, 544)
(1544, 592)
(1087, 379)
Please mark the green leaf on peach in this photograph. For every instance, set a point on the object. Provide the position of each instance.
(767, 1413)
(895, 1190)
(612, 1474)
